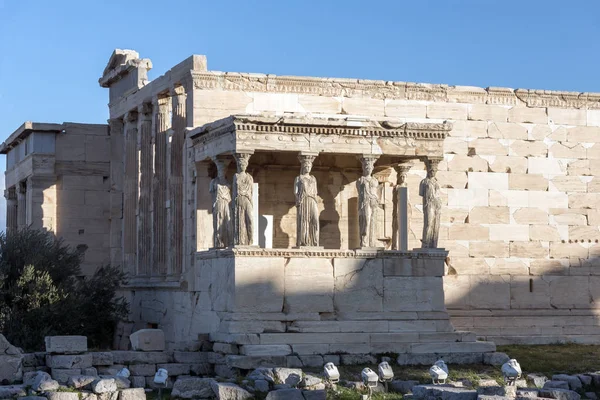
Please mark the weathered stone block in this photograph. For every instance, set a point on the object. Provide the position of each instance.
(309, 287)
(527, 182)
(404, 109)
(488, 147)
(143, 369)
(80, 381)
(148, 340)
(567, 116)
(422, 392)
(488, 112)
(62, 396)
(132, 394)
(528, 250)
(141, 357)
(69, 361)
(357, 283)
(265, 350)
(63, 375)
(526, 114)
(66, 344)
(189, 357)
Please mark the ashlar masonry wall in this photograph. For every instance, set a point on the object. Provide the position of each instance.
(520, 214)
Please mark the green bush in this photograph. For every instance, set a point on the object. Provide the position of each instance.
(42, 294)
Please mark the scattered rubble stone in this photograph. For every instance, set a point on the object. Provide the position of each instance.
(314, 394)
(537, 379)
(189, 388)
(423, 392)
(288, 376)
(285, 394)
(132, 394)
(104, 385)
(559, 394)
(574, 382)
(81, 381)
(229, 391)
(11, 362)
(556, 384)
(261, 385)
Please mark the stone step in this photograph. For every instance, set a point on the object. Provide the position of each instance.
(442, 392)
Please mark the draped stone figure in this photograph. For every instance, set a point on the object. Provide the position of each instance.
(242, 195)
(307, 210)
(429, 189)
(368, 203)
(221, 196)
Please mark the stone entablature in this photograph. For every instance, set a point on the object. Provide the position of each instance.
(379, 89)
(339, 135)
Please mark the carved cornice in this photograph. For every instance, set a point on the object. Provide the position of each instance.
(300, 126)
(393, 90)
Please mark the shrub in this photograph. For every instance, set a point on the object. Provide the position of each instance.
(41, 293)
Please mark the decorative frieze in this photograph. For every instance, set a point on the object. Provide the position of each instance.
(392, 90)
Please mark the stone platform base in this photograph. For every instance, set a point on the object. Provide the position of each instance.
(306, 307)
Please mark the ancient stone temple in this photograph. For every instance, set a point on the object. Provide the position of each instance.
(269, 229)
(295, 218)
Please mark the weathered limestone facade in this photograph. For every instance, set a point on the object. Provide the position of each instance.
(519, 223)
(57, 179)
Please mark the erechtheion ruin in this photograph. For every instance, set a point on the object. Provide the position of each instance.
(302, 217)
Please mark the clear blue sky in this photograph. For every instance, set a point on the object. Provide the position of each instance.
(53, 52)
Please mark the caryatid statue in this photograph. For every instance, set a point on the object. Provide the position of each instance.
(429, 189)
(221, 197)
(307, 210)
(368, 203)
(242, 197)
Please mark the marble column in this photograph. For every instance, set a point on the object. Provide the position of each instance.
(162, 124)
(368, 202)
(401, 209)
(178, 96)
(21, 204)
(11, 210)
(116, 190)
(144, 226)
(429, 189)
(130, 193)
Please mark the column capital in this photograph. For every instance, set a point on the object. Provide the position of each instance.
(177, 91)
(401, 171)
(161, 103)
(145, 111)
(307, 156)
(131, 116)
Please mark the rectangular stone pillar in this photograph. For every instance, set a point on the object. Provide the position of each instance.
(130, 194)
(401, 209)
(255, 215)
(116, 190)
(21, 205)
(402, 217)
(144, 226)
(176, 178)
(161, 108)
(204, 217)
(11, 210)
